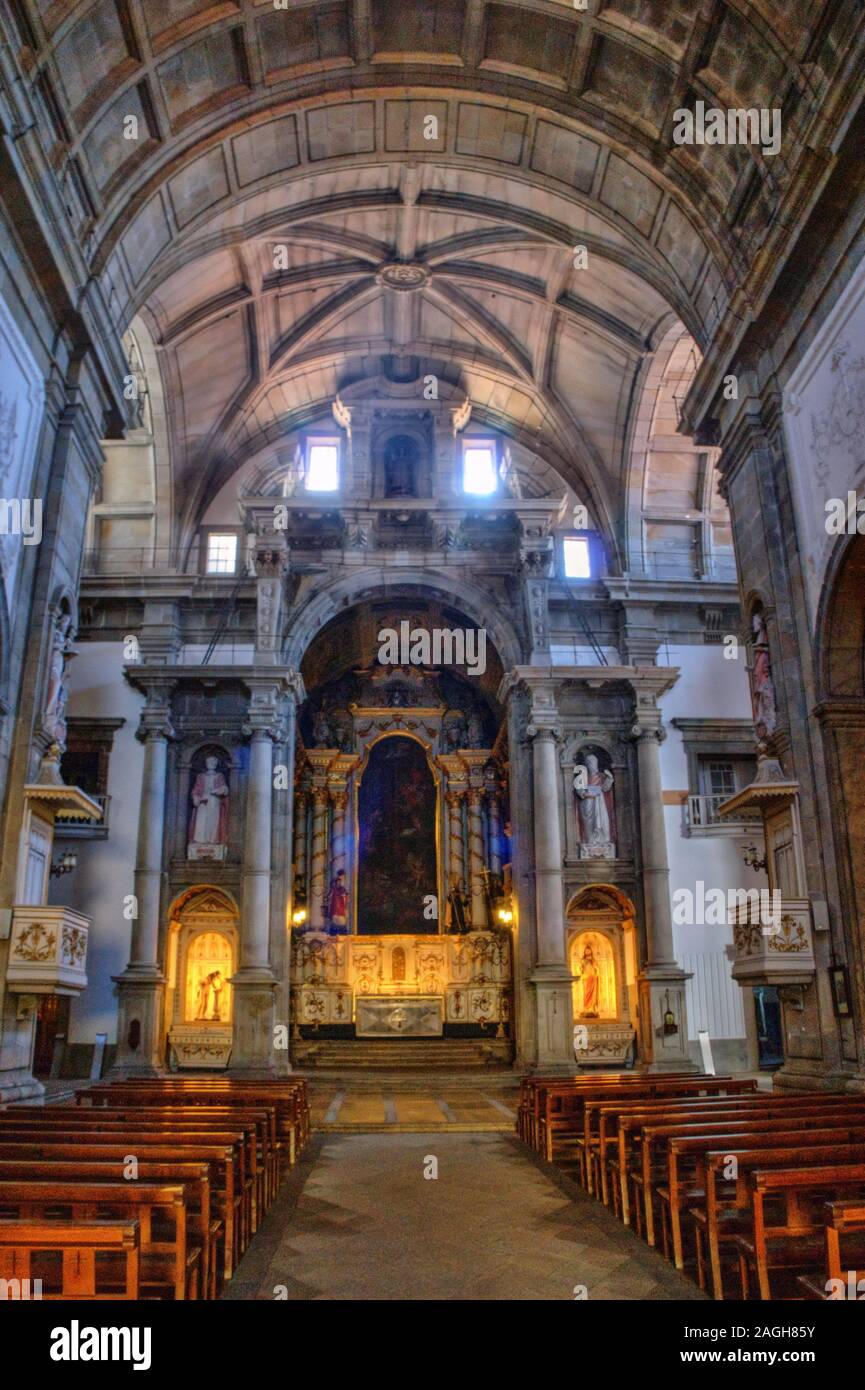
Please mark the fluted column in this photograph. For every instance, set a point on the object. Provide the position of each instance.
(140, 1043)
(661, 983)
(254, 983)
(339, 805)
(551, 976)
(476, 859)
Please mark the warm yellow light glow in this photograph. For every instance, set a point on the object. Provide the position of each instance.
(298, 916)
(505, 915)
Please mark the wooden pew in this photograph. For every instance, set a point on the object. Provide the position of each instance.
(177, 1131)
(787, 1246)
(654, 1133)
(221, 1160)
(840, 1219)
(533, 1091)
(170, 1263)
(194, 1178)
(29, 1250)
(721, 1210)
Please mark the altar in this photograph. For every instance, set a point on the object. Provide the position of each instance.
(401, 986)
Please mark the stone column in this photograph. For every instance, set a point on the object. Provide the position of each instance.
(339, 805)
(476, 859)
(318, 858)
(661, 981)
(140, 1040)
(254, 983)
(456, 854)
(494, 825)
(300, 804)
(551, 975)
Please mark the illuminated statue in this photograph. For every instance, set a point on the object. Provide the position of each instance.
(590, 981)
(209, 1004)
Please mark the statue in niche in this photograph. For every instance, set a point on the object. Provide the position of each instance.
(54, 716)
(322, 733)
(475, 730)
(762, 685)
(337, 905)
(590, 982)
(400, 467)
(454, 731)
(208, 822)
(209, 1002)
(596, 813)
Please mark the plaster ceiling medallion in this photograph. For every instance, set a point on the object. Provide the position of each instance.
(403, 275)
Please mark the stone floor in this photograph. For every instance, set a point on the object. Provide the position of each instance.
(340, 1109)
(357, 1219)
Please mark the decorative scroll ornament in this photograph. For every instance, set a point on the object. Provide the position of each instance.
(403, 276)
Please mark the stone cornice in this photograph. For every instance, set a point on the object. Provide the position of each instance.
(284, 680)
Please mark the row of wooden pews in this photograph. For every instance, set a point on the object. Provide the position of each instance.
(149, 1189)
(757, 1195)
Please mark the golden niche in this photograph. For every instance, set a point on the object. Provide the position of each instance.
(208, 969)
(593, 965)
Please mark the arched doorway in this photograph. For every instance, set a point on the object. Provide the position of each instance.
(201, 958)
(602, 958)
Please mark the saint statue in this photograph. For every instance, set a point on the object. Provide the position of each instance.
(399, 467)
(455, 909)
(54, 717)
(208, 825)
(762, 685)
(322, 733)
(594, 790)
(590, 982)
(209, 1003)
(337, 905)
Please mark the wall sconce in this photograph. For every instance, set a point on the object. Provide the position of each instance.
(65, 864)
(298, 916)
(505, 916)
(752, 859)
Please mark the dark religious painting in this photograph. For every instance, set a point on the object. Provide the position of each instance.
(397, 837)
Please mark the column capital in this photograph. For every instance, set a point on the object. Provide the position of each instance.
(640, 731)
(543, 730)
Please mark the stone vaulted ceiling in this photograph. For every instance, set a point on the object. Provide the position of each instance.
(312, 190)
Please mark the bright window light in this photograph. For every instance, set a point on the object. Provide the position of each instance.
(322, 466)
(221, 553)
(577, 559)
(479, 468)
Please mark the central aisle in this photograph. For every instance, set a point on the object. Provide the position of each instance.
(357, 1219)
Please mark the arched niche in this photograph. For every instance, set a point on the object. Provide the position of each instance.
(202, 954)
(602, 957)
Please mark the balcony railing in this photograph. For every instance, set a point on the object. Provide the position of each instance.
(702, 815)
(69, 828)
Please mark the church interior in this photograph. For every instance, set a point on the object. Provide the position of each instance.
(432, 651)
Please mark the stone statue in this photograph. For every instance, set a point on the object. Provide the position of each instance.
(400, 457)
(455, 909)
(475, 730)
(594, 790)
(209, 1003)
(762, 685)
(208, 824)
(322, 733)
(54, 717)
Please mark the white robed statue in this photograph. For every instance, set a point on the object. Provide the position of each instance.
(208, 823)
(594, 790)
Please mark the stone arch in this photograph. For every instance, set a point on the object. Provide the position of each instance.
(306, 622)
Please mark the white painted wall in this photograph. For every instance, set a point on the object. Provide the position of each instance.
(105, 867)
(710, 687)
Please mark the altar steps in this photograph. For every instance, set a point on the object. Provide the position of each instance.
(338, 1056)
